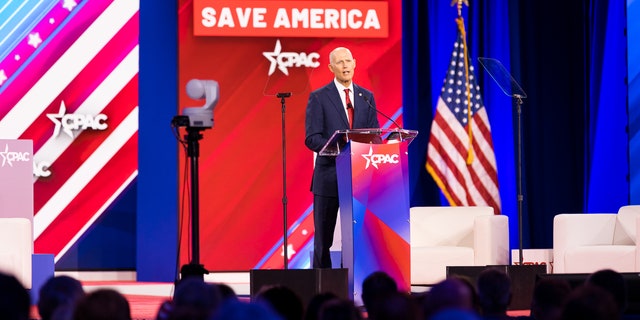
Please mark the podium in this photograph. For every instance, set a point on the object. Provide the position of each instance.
(16, 209)
(373, 190)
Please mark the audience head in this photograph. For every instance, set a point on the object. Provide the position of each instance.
(494, 291)
(613, 282)
(238, 310)
(226, 292)
(451, 293)
(339, 309)
(59, 295)
(165, 310)
(549, 296)
(397, 306)
(15, 302)
(376, 287)
(103, 304)
(455, 314)
(590, 303)
(313, 308)
(475, 304)
(194, 299)
(283, 301)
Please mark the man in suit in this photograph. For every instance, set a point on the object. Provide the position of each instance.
(328, 111)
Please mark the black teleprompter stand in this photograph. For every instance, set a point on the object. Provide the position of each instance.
(523, 276)
(511, 88)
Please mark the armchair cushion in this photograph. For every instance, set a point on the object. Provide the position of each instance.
(588, 259)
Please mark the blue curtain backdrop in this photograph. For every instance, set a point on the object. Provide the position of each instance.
(633, 81)
(569, 57)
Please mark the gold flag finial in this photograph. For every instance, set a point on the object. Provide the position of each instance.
(459, 3)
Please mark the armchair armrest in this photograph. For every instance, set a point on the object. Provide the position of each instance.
(637, 239)
(491, 240)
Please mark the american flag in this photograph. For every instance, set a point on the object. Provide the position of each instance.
(460, 155)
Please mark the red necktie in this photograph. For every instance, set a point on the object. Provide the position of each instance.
(349, 108)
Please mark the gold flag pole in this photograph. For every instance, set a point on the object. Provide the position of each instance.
(460, 22)
(459, 4)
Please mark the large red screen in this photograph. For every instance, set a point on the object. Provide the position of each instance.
(241, 157)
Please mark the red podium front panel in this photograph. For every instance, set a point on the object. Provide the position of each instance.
(373, 186)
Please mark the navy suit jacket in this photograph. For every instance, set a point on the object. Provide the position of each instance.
(325, 114)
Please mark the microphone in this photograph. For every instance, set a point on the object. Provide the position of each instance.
(376, 110)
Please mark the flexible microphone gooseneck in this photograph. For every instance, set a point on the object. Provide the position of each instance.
(378, 111)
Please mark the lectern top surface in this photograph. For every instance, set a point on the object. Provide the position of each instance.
(373, 136)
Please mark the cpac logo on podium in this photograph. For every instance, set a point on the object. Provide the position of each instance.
(68, 123)
(9, 157)
(377, 158)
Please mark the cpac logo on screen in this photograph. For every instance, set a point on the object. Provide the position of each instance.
(41, 169)
(74, 122)
(9, 157)
(375, 159)
(284, 60)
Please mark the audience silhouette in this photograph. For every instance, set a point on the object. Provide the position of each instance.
(604, 295)
(313, 307)
(58, 296)
(376, 288)
(103, 304)
(613, 282)
(494, 293)
(339, 309)
(589, 302)
(451, 293)
(239, 310)
(194, 300)
(283, 301)
(397, 306)
(475, 302)
(455, 314)
(226, 292)
(548, 299)
(15, 302)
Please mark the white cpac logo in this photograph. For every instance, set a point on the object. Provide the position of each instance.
(375, 159)
(41, 169)
(8, 157)
(286, 60)
(73, 122)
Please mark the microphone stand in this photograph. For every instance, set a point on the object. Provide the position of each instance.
(398, 131)
(283, 96)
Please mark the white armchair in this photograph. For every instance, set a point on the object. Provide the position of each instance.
(455, 236)
(585, 243)
(16, 248)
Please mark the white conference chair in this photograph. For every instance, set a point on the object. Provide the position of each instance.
(455, 236)
(588, 242)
